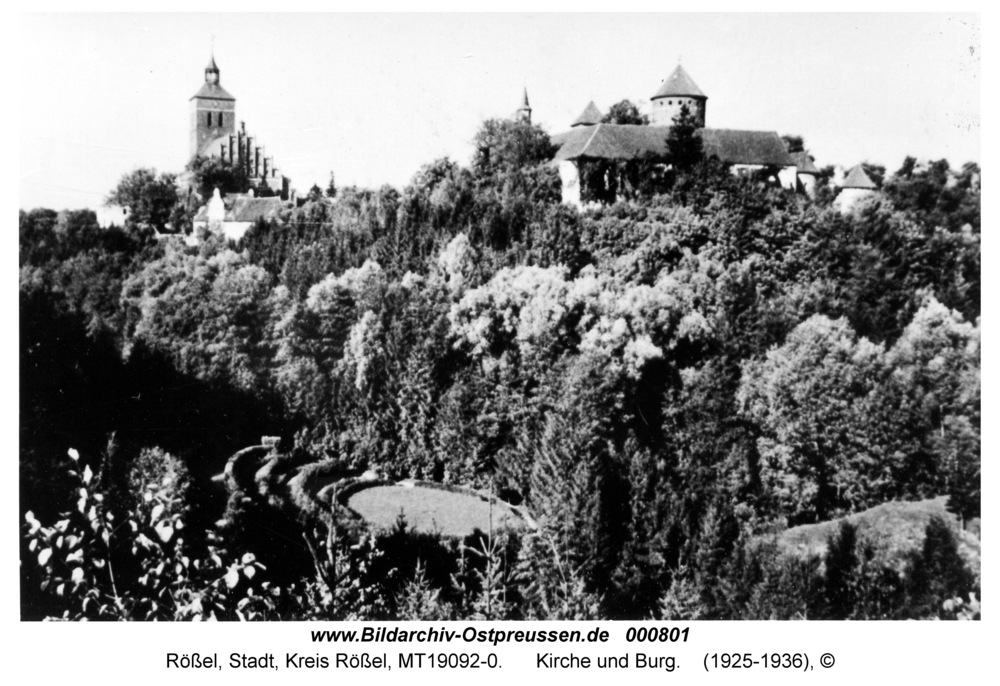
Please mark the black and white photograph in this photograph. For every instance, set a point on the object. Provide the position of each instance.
(452, 317)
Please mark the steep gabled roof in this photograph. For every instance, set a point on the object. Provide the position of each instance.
(803, 161)
(858, 179)
(631, 141)
(679, 84)
(746, 147)
(212, 91)
(590, 116)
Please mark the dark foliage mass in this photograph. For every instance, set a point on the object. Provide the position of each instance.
(664, 383)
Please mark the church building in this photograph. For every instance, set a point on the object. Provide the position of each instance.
(214, 134)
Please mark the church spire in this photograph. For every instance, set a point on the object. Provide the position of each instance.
(212, 71)
(524, 111)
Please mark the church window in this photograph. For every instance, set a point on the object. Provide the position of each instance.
(209, 119)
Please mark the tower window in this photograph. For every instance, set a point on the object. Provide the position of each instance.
(209, 119)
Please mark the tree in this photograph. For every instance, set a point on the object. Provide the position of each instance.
(215, 172)
(684, 147)
(625, 112)
(331, 188)
(794, 143)
(503, 145)
(813, 399)
(315, 193)
(149, 198)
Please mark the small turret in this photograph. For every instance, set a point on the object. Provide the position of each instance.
(590, 116)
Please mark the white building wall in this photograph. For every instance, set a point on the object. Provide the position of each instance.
(570, 176)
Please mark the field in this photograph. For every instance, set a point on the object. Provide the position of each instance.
(897, 527)
(431, 510)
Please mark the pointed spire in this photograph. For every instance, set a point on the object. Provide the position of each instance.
(523, 112)
(212, 71)
(679, 83)
(590, 116)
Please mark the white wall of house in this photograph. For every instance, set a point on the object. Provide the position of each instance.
(112, 215)
(849, 197)
(570, 177)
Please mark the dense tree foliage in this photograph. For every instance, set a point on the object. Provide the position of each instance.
(664, 383)
(150, 199)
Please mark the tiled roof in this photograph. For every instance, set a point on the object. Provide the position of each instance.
(252, 209)
(858, 179)
(804, 163)
(679, 83)
(212, 91)
(746, 147)
(591, 115)
(629, 141)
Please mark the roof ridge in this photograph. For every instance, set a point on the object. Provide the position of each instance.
(591, 139)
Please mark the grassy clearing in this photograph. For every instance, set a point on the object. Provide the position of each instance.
(897, 527)
(431, 510)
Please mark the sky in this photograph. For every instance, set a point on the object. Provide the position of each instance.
(372, 98)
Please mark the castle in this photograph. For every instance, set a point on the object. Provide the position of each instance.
(745, 151)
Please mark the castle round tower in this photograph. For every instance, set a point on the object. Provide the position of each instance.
(213, 114)
(679, 89)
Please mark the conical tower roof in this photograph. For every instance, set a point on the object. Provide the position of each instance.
(525, 105)
(858, 179)
(590, 116)
(679, 84)
(211, 64)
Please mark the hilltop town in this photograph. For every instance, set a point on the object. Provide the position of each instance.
(636, 368)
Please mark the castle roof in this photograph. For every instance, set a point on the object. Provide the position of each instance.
(590, 115)
(858, 179)
(804, 163)
(746, 147)
(679, 84)
(631, 141)
(212, 91)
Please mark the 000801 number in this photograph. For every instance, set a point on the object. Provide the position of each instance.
(654, 634)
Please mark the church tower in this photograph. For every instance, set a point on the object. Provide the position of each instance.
(679, 89)
(213, 115)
